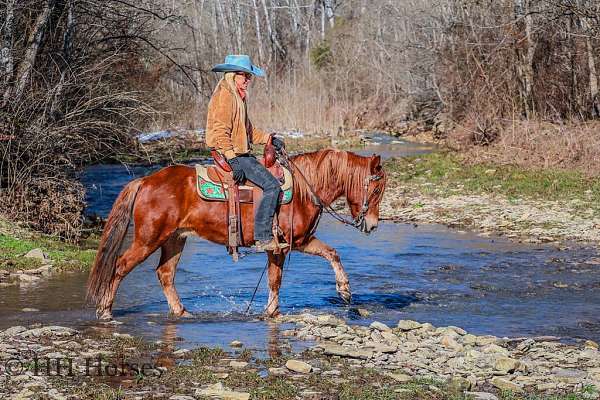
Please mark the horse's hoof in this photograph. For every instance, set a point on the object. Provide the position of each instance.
(104, 315)
(346, 297)
(183, 314)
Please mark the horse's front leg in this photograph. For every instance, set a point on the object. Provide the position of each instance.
(318, 248)
(275, 273)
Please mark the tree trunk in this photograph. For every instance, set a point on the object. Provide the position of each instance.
(6, 56)
(33, 45)
(525, 65)
(259, 43)
(329, 13)
(272, 33)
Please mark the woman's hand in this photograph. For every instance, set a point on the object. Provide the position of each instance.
(237, 172)
(277, 143)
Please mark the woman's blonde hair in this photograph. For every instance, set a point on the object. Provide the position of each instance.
(229, 79)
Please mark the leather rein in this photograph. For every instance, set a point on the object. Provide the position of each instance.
(359, 221)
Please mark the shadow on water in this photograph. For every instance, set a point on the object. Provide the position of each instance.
(429, 273)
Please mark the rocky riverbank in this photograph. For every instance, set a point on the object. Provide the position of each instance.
(528, 206)
(409, 361)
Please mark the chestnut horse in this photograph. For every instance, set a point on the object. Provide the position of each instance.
(166, 209)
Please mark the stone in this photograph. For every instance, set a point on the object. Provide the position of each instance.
(12, 331)
(543, 387)
(381, 347)
(506, 364)
(329, 320)
(485, 340)
(450, 343)
(590, 344)
(277, 371)
(28, 309)
(43, 270)
(400, 377)
(298, 366)
(481, 396)
(505, 384)
(469, 339)
(238, 364)
(37, 254)
(568, 375)
(408, 325)
(458, 330)
(180, 352)
(220, 392)
(494, 349)
(48, 331)
(459, 384)
(380, 326)
(236, 343)
(337, 350)
(126, 336)
(333, 372)
(28, 278)
(181, 397)
(363, 312)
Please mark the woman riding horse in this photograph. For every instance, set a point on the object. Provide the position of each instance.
(230, 132)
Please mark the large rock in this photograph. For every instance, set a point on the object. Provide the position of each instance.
(400, 377)
(506, 364)
(37, 254)
(298, 366)
(12, 331)
(48, 331)
(238, 364)
(459, 384)
(481, 396)
(450, 343)
(337, 350)
(505, 384)
(408, 325)
(218, 391)
(380, 326)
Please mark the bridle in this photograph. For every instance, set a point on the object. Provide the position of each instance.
(359, 221)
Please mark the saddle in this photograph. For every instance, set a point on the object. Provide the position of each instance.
(215, 183)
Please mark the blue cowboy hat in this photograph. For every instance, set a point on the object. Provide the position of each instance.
(238, 63)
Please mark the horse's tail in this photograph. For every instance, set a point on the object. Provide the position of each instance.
(113, 235)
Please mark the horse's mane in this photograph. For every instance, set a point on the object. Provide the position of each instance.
(322, 167)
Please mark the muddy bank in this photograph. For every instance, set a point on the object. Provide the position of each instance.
(412, 361)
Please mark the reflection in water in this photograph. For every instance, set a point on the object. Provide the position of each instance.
(274, 346)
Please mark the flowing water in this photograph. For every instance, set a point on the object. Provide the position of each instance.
(429, 273)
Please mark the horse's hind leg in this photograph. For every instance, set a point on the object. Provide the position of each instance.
(275, 273)
(170, 255)
(134, 255)
(318, 248)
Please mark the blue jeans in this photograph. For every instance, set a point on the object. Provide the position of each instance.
(263, 219)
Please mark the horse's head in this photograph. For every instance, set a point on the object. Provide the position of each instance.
(365, 196)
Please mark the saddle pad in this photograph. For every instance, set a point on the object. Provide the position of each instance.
(213, 190)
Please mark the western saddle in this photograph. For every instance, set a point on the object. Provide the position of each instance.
(215, 183)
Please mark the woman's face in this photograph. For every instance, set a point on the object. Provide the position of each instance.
(242, 80)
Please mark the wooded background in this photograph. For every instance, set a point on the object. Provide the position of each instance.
(79, 77)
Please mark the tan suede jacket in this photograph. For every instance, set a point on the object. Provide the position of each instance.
(223, 129)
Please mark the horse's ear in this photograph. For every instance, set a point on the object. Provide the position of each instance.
(375, 163)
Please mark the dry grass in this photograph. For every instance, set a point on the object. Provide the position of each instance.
(537, 145)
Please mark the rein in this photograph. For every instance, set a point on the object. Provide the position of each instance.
(359, 221)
